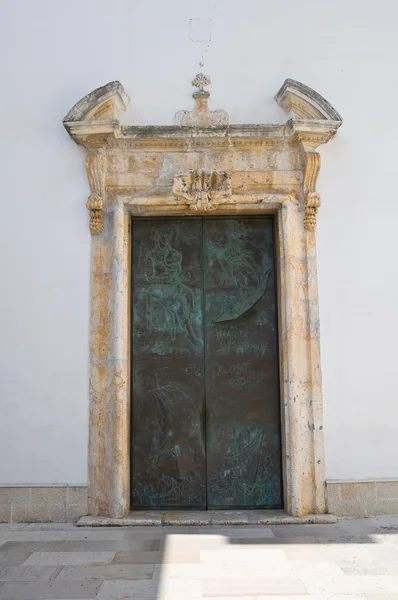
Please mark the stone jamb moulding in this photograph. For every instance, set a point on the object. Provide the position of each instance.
(118, 195)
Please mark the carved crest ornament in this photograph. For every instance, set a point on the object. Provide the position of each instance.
(202, 190)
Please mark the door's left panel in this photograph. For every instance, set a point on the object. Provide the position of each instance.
(168, 465)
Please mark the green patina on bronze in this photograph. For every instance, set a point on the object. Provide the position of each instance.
(205, 392)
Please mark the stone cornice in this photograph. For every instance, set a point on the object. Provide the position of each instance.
(94, 134)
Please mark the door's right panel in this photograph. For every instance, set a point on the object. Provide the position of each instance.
(242, 379)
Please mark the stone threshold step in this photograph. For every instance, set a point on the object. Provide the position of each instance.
(206, 517)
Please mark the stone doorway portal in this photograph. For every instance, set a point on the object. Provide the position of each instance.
(205, 377)
(202, 166)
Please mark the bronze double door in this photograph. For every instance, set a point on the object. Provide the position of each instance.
(205, 382)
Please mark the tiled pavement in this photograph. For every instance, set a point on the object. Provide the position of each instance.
(352, 560)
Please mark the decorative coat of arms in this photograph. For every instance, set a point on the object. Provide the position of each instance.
(202, 190)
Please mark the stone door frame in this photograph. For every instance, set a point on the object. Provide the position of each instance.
(121, 190)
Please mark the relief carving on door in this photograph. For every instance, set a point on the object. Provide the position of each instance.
(170, 303)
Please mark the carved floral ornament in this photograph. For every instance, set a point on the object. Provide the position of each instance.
(91, 123)
(202, 190)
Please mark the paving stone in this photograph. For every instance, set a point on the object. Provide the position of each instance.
(212, 542)
(213, 571)
(180, 589)
(29, 573)
(130, 571)
(70, 558)
(70, 546)
(321, 552)
(344, 562)
(385, 521)
(327, 568)
(59, 535)
(152, 590)
(363, 584)
(380, 597)
(307, 597)
(310, 531)
(137, 557)
(252, 586)
(49, 526)
(150, 533)
(250, 597)
(276, 542)
(231, 533)
(138, 544)
(152, 545)
(55, 590)
(373, 567)
(13, 558)
(120, 589)
(166, 530)
(240, 559)
(360, 525)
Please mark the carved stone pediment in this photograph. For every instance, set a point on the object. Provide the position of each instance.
(92, 123)
(202, 190)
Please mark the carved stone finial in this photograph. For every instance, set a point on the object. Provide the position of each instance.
(312, 203)
(96, 169)
(201, 81)
(201, 115)
(202, 190)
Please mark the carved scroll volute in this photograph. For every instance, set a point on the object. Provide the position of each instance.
(96, 170)
(312, 200)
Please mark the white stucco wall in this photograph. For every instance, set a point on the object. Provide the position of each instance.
(54, 52)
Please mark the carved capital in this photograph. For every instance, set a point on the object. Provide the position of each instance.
(96, 170)
(202, 190)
